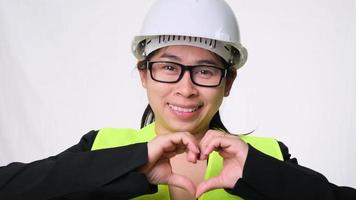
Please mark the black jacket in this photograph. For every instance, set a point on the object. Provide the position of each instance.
(79, 173)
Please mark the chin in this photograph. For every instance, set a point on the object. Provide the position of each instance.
(184, 127)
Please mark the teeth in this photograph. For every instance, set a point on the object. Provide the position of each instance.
(180, 109)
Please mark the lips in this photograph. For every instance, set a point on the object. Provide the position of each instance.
(184, 109)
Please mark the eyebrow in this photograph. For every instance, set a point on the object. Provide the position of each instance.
(170, 56)
(199, 62)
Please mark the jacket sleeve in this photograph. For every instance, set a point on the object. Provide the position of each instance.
(265, 177)
(79, 172)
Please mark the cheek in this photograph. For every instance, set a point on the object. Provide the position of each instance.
(218, 101)
(215, 97)
(156, 92)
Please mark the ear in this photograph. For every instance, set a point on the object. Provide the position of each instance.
(229, 81)
(143, 75)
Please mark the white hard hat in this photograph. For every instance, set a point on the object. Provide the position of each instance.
(208, 24)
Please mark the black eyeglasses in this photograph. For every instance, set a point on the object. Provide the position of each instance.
(171, 72)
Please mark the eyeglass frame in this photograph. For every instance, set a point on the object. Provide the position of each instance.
(185, 68)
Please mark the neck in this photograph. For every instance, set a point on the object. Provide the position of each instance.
(160, 130)
(199, 136)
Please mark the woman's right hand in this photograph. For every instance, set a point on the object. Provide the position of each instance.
(158, 169)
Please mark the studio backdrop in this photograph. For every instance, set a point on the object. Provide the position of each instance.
(66, 68)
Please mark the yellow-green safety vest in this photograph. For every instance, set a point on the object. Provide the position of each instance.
(116, 137)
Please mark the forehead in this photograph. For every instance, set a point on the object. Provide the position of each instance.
(186, 54)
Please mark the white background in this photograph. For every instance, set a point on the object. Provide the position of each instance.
(66, 68)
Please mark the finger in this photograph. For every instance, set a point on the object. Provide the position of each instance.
(179, 142)
(192, 157)
(208, 185)
(190, 142)
(206, 140)
(187, 140)
(208, 135)
(160, 146)
(217, 143)
(169, 155)
(182, 182)
(214, 144)
(227, 146)
(192, 149)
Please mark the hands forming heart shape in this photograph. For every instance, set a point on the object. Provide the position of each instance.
(158, 169)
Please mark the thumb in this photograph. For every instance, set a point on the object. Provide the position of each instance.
(208, 185)
(182, 182)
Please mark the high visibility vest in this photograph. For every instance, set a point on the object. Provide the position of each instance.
(116, 137)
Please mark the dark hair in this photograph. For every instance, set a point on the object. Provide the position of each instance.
(215, 123)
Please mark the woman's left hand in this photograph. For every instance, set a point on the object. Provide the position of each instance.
(234, 152)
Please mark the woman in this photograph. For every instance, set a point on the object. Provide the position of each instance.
(187, 61)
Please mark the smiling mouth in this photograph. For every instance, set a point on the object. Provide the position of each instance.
(184, 109)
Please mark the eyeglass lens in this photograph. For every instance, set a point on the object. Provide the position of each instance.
(170, 72)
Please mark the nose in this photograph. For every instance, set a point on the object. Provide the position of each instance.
(185, 87)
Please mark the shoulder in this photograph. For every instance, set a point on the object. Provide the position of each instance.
(85, 143)
(285, 152)
(115, 137)
(270, 146)
(266, 145)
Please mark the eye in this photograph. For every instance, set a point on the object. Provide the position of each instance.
(166, 68)
(169, 67)
(206, 72)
